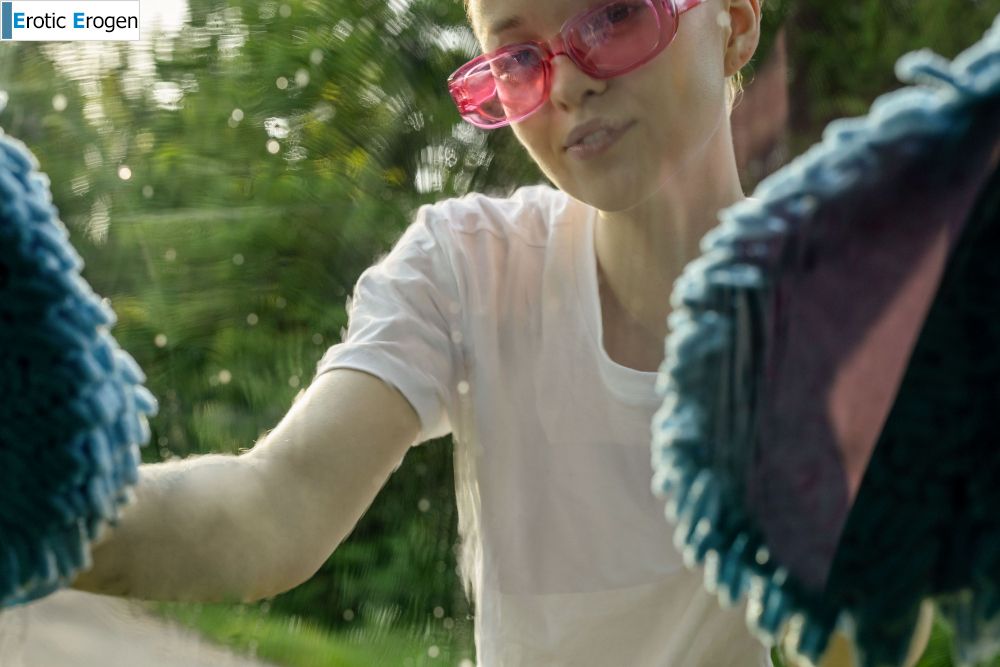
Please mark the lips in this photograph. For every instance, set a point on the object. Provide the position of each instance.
(582, 131)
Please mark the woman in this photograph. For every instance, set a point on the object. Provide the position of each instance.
(531, 327)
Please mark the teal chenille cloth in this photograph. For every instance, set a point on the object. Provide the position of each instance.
(73, 409)
(828, 444)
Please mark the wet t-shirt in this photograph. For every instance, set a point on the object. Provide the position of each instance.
(486, 316)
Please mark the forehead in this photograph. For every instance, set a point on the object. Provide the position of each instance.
(493, 20)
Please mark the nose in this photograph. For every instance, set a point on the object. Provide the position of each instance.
(571, 85)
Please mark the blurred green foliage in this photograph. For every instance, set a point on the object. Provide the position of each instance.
(841, 55)
(292, 641)
(227, 185)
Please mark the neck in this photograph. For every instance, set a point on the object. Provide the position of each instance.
(642, 250)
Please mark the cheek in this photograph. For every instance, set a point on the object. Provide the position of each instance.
(683, 111)
(696, 56)
(537, 139)
(686, 94)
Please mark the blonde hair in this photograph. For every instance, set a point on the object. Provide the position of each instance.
(734, 90)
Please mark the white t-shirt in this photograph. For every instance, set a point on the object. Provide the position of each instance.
(486, 317)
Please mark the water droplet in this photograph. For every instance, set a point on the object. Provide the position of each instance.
(285, 11)
(273, 146)
(293, 381)
(124, 173)
(348, 614)
(147, 191)
(252, 319)
(281, 82)
(280, 302)
(316, 56)
(225, 377)
(59, 102)
(237, 115)
(423, 505)
(160, 340)
(317, 339)
(433, 651)
(438, 612)
(238, 259)
(463, 387)
(276, 128)
(301, 78)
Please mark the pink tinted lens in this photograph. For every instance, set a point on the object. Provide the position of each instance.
(505, 88)
(610, 40)
(520, 80)
(476, 95)
(619, 35)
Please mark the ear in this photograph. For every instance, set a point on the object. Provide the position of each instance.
(744, 33)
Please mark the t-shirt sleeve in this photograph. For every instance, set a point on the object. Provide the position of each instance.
(401, 323)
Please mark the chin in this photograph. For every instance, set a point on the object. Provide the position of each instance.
(608, 193)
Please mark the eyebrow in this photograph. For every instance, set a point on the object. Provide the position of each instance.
(505, 24)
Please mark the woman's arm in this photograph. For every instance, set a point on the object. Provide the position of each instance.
(222, 527)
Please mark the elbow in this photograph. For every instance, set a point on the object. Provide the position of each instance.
(295, 553)
(285, 579)
(289, 546)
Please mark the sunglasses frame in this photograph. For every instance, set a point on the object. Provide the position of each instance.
(561, 44)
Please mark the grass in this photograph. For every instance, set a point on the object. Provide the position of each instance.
(292, 642)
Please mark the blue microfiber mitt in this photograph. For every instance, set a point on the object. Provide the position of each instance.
(72, 406)
(827, 442)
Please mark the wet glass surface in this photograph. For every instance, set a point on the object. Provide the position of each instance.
(228, 178)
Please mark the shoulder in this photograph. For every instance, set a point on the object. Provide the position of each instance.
(526, 217)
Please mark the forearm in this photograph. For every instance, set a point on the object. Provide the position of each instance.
(196, 531)
(223, 527)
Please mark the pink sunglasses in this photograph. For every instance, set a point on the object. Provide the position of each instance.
(511, 83)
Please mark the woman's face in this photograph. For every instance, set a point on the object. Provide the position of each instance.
(671, 106)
